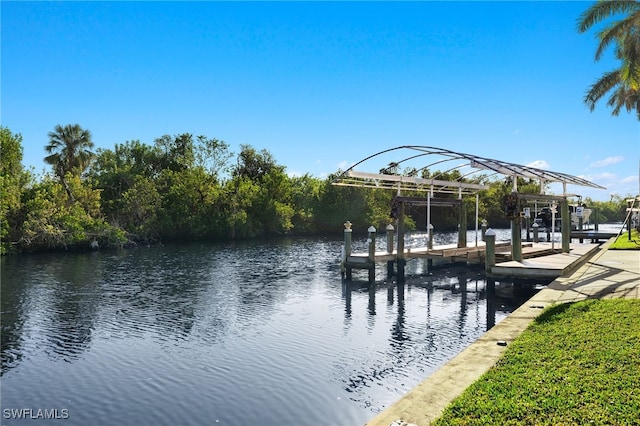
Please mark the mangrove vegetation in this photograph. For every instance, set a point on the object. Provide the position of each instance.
(186, 188)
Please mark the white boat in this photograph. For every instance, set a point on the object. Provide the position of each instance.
(578, 212)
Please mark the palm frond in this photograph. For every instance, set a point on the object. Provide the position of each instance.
(608, 81)
(616, 32)
(624, 97)
(52, 159)
(603, 10)
(624, 35)
(70, 149)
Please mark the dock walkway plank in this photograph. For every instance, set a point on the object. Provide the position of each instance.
(539, 260)
(442, 251)
(552, 265)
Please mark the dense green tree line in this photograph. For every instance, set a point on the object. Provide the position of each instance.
(190, 188)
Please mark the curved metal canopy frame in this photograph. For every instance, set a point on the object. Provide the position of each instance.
(481, 168)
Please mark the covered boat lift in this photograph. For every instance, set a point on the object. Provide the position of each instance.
(475, 174)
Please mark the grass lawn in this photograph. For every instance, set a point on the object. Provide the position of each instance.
(623, 242)
(576, 364)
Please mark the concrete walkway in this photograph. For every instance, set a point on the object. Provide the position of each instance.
(608, 274)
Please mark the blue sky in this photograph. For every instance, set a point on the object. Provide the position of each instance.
(321, 85)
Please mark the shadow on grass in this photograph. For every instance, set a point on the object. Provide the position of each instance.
(553, 313)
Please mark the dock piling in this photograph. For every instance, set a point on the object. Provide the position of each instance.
(372, 253)
(430, 244)
(462, 225)
(516, 233)
(346, 250)
(516, 240)
(390, 249)
(490, 257)
(400, 261)
(566, 227)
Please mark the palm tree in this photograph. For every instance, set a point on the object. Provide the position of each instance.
(624, 34)
(69, 150)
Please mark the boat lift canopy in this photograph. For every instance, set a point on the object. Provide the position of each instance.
(475, 172)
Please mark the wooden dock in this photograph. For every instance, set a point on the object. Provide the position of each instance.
(544, 263)
(539, 260)
(449, 253)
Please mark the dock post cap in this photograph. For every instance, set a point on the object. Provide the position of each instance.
(389, 227)
(490, 233)
(371, 229)
(347, 225)
(535, 225)
(430, 226)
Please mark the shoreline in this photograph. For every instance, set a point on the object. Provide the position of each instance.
(426, 402)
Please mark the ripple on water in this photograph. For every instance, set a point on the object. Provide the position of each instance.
(255, 333)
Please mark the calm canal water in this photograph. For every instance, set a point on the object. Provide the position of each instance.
(252, 333)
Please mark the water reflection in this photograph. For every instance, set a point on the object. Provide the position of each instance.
(398, 334)
(60, 300)
(491, 303)
(246, 333)
(12, 311)
(433, 313)
(151, 293)
(451, 283)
